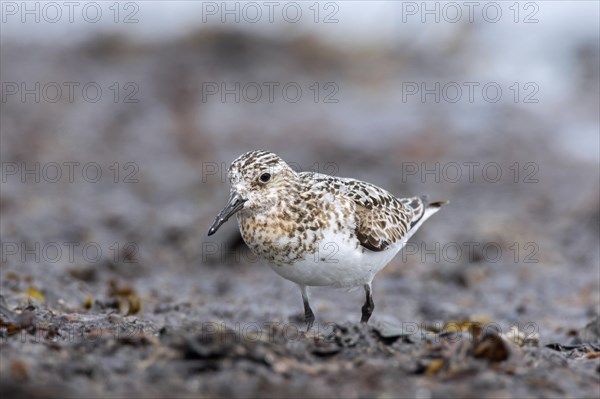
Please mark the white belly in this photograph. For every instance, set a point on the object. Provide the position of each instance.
(338, 263)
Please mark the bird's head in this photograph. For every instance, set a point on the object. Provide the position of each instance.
(257, 179)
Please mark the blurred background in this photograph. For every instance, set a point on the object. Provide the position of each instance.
(119, 120)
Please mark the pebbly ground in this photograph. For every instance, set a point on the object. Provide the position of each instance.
(112, 288)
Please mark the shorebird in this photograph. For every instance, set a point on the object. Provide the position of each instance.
(319, 230)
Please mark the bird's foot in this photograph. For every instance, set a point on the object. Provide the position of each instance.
(309, 319)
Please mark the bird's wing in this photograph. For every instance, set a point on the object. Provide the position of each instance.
(381, 218)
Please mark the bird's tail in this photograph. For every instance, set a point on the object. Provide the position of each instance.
(423, 209)
(429, 208)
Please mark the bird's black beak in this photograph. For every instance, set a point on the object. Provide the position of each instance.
(235, 203)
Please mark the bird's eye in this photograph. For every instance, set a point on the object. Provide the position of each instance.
(265, 177)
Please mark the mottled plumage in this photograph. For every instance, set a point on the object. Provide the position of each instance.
(319, 230)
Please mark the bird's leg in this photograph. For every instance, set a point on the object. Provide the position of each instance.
(309, 316)
(368, 307)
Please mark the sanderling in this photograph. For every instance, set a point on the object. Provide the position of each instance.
(319, 230)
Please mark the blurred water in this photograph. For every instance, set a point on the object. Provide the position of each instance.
(350, 23)
(551, 52)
